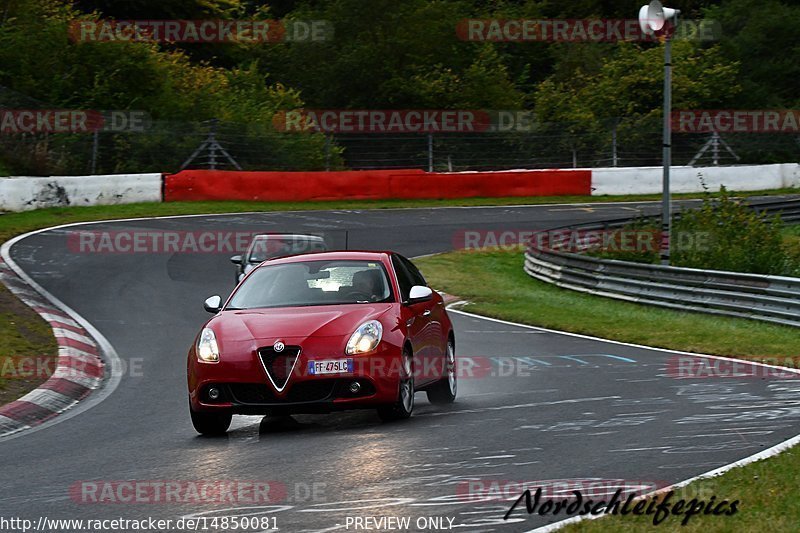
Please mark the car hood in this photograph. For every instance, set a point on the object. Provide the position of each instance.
(314, 321)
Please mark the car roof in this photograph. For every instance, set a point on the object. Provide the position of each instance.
(349, 255)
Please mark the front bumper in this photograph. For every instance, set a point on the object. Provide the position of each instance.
(243, 385)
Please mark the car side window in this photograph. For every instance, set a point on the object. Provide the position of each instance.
(403, 277)
(416, 276)
(251, 250)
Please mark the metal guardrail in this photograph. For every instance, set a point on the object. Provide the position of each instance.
(768, 298)
(788, 209)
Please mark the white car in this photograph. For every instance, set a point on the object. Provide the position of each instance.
(272, 245)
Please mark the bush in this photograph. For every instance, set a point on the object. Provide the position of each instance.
(728, 235)
(722, 234)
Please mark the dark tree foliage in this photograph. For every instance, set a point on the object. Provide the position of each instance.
(386, 54)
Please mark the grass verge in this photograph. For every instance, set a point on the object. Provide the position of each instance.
(496, 286)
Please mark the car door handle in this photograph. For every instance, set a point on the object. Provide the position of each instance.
(426, 312)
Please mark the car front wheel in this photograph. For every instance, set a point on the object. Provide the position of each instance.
(210, 423)
(404, 405)
(444, 390)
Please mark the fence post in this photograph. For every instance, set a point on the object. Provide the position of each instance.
(614, 144)
(430, 152)
(328, 152)
(715, 148)
(95, 148)
(212, 145)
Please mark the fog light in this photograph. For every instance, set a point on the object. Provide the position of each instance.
(213, 393)
(355, 387)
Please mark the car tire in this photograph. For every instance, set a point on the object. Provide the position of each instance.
(444, 391)
(404, 406)
(211, 423)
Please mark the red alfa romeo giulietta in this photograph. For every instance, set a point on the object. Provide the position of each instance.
(321, 332)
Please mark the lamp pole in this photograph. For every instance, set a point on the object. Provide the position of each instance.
(666, 200)
(652, 18)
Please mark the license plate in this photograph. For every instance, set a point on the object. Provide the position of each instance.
(330, 366)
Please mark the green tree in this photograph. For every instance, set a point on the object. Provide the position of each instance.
(762, 36)
(392, 54)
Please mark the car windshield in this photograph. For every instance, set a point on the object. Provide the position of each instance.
(313, 283)
(281, 246)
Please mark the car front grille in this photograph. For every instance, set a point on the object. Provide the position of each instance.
(259, 393)
(279, 364)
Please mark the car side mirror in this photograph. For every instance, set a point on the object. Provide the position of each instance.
(236, 259)
(419, 293)
(213, 304)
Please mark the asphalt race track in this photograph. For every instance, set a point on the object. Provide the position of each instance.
(569, 408)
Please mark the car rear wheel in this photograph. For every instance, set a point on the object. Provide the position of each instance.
(210, 423)
(404, 405)
(444, 390)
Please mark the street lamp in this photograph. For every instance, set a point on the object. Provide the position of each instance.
(652, 19)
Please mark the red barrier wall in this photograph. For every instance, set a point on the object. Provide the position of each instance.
(371, 184)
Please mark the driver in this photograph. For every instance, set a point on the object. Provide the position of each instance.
(368, 282)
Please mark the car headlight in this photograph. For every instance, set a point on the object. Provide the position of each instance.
(207, 349)
(365, 338)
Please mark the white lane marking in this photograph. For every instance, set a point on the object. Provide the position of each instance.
(518, 406)
(347, 506)
(509, 332)
(572, 358)
(642, 449)
(715, 435)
